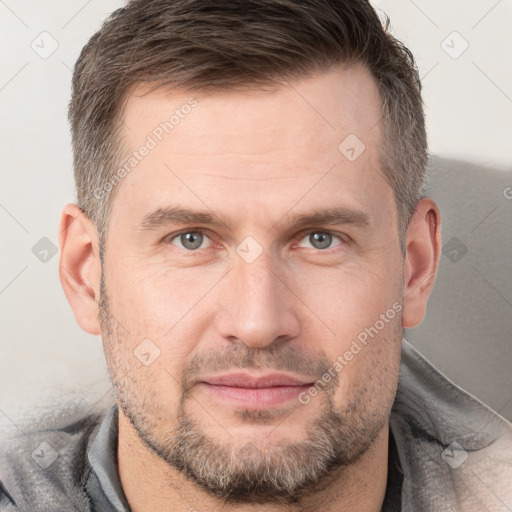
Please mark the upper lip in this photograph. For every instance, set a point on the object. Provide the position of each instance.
(245, 380)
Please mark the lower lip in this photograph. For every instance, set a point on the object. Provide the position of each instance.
(256, 398)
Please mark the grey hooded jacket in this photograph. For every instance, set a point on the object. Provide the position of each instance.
(448, 452)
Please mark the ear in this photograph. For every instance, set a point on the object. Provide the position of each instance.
(80, 266)
(421, 260)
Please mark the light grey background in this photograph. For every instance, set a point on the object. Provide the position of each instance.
(467, 333)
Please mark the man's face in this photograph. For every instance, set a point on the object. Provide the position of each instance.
(261, 296)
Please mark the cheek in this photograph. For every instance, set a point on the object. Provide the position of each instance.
(154, 329)
(154, 301)
(348, 300)
(145, 370)
(357, 323)
(369, 372)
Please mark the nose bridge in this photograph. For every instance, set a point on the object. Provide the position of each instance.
(258, 308)
(261, 270)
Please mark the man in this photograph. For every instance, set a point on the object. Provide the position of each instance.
(250, 241)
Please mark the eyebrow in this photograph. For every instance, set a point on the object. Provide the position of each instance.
(337, 215)
(173, 214)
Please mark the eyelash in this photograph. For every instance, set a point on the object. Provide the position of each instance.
(169, 238)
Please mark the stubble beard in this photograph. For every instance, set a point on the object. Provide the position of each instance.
(239, 471)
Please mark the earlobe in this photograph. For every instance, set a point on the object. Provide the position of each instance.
(80, 266)
(421, 261)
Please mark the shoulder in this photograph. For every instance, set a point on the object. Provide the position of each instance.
(43, 459)
(451, 445)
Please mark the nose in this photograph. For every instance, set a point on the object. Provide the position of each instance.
(259, 306)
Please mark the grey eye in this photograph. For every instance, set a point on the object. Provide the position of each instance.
(191, 240)
(320, 239)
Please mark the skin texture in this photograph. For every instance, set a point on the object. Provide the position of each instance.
(256, 159)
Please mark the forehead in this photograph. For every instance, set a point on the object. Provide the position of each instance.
(338, 102)
(255, 148)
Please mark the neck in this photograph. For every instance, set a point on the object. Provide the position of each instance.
(150, 483)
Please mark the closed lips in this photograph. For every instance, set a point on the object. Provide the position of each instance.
(242, 380)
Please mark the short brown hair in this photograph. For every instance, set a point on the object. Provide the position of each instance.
(228, 44)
